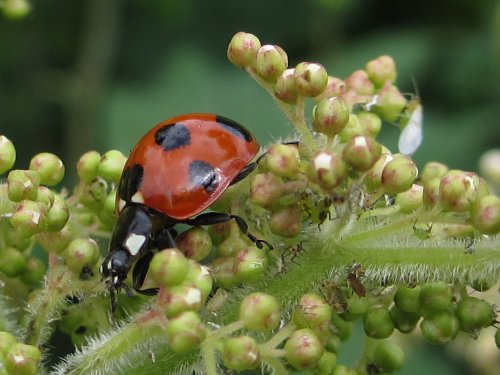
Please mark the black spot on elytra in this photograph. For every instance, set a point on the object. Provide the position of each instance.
(234, 128)
(203, 174)
(173, 136)
(130, 182)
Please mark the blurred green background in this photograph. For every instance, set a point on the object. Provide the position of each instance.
(81, 75)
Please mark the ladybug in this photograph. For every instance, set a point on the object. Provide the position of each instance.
(176, 170)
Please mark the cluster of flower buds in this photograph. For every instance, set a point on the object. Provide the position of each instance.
(17, 358)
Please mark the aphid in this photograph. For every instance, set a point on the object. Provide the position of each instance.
(355, 273)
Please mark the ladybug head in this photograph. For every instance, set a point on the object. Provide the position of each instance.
(114, 270)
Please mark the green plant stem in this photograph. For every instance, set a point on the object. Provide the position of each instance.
(115, 352)
(283, 334)
(295, 117)
(208, 351)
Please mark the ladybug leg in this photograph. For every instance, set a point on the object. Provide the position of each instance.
(139, 274)
(163, 239)
(246, 171)
(211, 218)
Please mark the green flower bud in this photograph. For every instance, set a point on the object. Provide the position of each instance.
(371, 123)
(398, 174)
(250, 264)
(22, 359)
(485, 214)
(458, 190)
(169, 267)
(351, 129)
(333, 344)
(440, 328)
(404, 322)
(242, 49)
(387, 356)
(230, 246)
(377, 323)
(326, 364)
(430, 194)
(94, 194)
(327, 169)
(381, 70)
(55, 241)
(7, 154)
(182, 298)
(270, 62)
(23, 185)
(14, 237)
(481, 285)
(409, 200)
(341, 327)
(49, 167)
(195, 243)
(283, 160)
(80, 253)
(330, 116)
(6, 341)
(221, 231)
(312, 311)
(434, 297)
(58, 214)
(199, 276)
(285, 88)
(343, 370)
(260, 312)
(474, 314)
(356, 307)
(222, 272)
(360, 83)
(390, 102)
(45, 196)
(286, 221)
(29, 217)
(303, 350)
(109, 204)
(361, 152)
(241, 353)
(334, 87)
(265, 189)
(34, 271)
(185, 332)
(433, 169)
(13, 262)
(111, 166)
(87, 166)
(310, 78)
(408, 299)
(489, 165)
(373, 177)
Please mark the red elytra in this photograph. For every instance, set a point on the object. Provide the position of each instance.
(187, 162)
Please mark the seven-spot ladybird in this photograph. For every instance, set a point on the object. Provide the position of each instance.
(175, 172)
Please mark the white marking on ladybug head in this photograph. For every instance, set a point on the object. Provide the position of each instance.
(100, 269)
(115, 280)
(109, 265)
(137, 197)
(134, 243)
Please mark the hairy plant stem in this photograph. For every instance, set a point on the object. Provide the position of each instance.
(295, 114)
